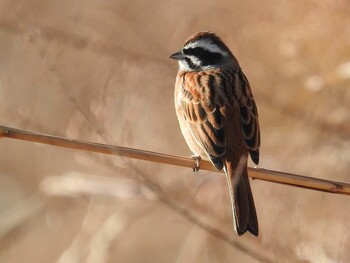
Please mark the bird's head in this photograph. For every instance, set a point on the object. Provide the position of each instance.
(203, 51)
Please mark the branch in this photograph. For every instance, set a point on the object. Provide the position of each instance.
(256, 173)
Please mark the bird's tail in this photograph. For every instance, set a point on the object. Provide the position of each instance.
(243, 208)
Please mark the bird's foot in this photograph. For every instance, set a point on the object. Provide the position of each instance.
(197, 160)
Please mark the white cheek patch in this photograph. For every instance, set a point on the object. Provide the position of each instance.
(183, 65)
(195, 60)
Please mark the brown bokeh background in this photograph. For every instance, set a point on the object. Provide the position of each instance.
(99, 71)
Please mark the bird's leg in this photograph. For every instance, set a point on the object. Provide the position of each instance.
(197, 160)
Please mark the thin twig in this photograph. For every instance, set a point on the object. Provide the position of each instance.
(256, 173)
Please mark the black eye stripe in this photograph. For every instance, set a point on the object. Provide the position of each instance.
(206, 57)
(195, 51)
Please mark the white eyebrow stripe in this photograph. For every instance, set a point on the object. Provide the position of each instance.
(207, 46)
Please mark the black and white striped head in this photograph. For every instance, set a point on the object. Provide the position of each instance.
(203, 51)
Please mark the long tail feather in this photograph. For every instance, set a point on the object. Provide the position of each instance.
(242, 202)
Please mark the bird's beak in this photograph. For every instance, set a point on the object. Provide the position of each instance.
(178, 55)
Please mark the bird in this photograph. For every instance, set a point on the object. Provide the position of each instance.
(218, 118)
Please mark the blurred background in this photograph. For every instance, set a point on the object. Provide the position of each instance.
(99, 71)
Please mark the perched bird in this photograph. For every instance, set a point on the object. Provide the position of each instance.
(218, 118)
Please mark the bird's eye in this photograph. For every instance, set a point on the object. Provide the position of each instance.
(205, 57)
(197, 51)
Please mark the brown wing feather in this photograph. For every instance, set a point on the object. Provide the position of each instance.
(203, 116)
(249, 118)
(205, 119)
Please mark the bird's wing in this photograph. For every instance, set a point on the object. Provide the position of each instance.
(249, 117)
(203, 116)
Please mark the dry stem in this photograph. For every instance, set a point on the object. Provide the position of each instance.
(256, 173)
